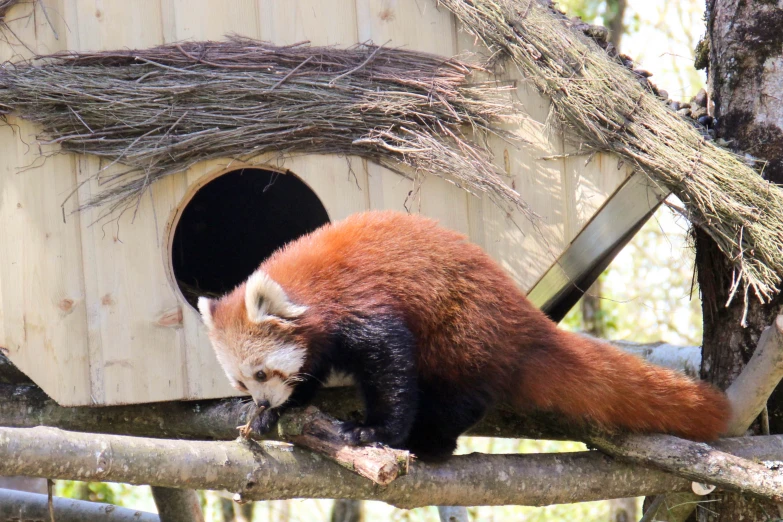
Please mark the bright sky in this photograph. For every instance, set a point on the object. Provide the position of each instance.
(668, 31)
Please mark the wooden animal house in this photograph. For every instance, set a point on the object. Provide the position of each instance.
(100, 311)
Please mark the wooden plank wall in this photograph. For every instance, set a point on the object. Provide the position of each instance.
(90, 311)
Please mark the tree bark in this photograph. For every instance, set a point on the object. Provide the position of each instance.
(745, 44)
(273, 470)
(748, 394)
(18, 506)
(696, 461)
(319, 432)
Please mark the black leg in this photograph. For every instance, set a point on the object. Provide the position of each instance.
(381, 353)
(442, 418)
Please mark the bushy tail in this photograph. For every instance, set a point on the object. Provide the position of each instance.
(587, 379)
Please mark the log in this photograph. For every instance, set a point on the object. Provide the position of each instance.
(21, 506)
(272, 470)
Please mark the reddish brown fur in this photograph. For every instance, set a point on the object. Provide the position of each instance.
(474, 328)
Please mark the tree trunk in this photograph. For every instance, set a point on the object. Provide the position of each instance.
(177, 505)
(244, 512)
(592, 316)
(614, 19)
(745, 43)
(227, 509)
(347, 510)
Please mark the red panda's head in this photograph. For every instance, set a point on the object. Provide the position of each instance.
(254, 337)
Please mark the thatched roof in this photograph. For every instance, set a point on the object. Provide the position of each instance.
(161, 110)
(601, 103)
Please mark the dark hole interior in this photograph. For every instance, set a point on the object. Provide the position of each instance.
(236, 221)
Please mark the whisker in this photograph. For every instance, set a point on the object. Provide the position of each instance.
(300, 374)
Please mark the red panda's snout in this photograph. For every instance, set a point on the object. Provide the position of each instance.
(250, 331)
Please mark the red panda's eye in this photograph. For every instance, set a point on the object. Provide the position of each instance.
(260, 376)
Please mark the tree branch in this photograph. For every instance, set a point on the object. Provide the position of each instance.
(26, 406)
(748, 395)
(319, 432)
(274, 470)
(695, 461)
(21, 506)
(751, 389)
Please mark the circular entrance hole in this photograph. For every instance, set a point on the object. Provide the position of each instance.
(236, 221)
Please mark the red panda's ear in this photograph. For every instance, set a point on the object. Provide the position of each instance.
(264, 298)
(206, 307)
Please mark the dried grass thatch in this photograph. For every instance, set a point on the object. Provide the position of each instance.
(161, 110)
(601, 102)
(5, 5)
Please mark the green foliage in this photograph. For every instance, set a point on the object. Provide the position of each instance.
(587, 10)
(135, 497)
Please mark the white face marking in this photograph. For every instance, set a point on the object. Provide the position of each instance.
(279, 366)
(287, 359)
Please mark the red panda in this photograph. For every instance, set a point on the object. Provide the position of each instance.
(434, 333)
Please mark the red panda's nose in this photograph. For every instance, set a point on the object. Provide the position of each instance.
(262, 404)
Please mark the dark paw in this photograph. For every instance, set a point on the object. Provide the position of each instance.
(357, 434)
(266, 421)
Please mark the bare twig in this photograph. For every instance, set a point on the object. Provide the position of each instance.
(50, 498)
(27, 406)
